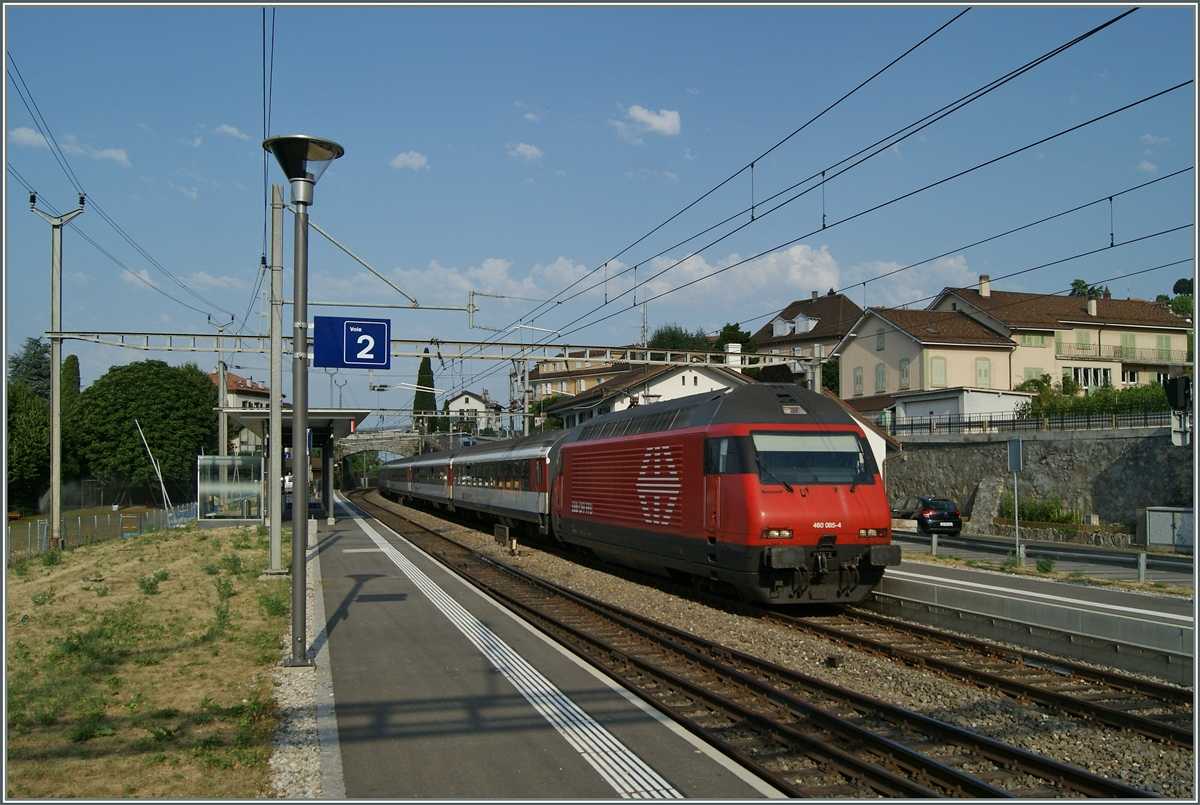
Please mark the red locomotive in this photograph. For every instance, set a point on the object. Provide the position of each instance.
(768, 489)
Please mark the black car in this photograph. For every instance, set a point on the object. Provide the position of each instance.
(931, 514)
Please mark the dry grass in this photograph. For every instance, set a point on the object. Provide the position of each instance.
(141, 667)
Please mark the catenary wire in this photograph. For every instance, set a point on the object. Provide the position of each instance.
(866, 211)
(44, 130)
(878, 147)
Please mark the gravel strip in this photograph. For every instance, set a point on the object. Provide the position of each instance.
(1164, 770)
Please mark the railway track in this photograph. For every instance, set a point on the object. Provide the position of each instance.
(1156, 710)
(807, 737)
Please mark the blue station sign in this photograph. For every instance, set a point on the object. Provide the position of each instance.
(352, 343)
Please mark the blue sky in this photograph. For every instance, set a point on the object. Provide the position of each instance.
(514, 151)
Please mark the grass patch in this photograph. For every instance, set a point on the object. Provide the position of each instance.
(132, 683)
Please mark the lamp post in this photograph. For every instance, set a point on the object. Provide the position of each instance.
(303, 160)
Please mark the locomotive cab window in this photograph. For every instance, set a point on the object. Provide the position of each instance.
(813, 458)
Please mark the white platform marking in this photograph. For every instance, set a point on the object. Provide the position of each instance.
(624, 771)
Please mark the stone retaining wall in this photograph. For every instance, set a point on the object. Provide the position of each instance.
(1108, 473)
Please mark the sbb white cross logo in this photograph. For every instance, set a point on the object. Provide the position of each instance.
(658, 485)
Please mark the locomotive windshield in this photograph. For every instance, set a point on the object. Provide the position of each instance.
(813, 458)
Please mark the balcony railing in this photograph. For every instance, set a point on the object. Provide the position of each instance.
(1000, 423)
(1112, 352)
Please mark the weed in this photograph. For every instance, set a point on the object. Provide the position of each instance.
(20, 568)
(224, 587)
(102, 591)
(216, 543)
(149, 584)
(1045, 564)
(275, 603)
(232, 562)
(222, 613)
(261, 530)
(45, 596)
(212, 568)
(52, 557)
(1076, 574)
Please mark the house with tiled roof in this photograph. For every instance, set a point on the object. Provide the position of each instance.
(1094, 341)
(807, 328)
(241, 392)
(643, 385)
(889, 354)
(573, 373)
(473, 412)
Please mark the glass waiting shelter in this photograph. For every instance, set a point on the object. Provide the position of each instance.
(229, 489)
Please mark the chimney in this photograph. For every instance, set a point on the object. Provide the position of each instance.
(985, 285)
(814, 298)
(733, 356)
(485, 395)
(1091, 306)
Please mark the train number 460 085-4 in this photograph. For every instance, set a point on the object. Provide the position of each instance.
(827, 525)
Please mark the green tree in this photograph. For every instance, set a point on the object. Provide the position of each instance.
(675, 337)
(831, 375)
(1182, 287)
(1081, 288)
(73, 465)
(173, 405)
(424, 404)
(28, 468)
(1182, 305)
(552, 422)
(31, 367)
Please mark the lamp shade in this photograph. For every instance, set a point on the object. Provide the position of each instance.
(303, 157)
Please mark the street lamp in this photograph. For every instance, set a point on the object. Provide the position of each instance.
(303, 160)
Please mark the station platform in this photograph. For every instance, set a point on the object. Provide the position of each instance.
(1136, 632)
(439, 693)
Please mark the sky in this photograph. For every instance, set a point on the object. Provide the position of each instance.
(576, 163)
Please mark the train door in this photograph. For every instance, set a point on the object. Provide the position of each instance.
(712, 503)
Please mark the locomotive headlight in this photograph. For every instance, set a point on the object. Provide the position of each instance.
(777, 533)
(872, 532)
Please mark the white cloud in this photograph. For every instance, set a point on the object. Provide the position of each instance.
(69, 145)
(194, 143)
(410, 159)
(687, 154)
(141, 280)
(27, 137)
(1147, 166)
(560, 172)
(642, 121)
(913, 287)
(672, 177)
(692, 91)
(526, 152)
(1151, 139)
(225, 128)
(190, 192)
(202, 279)
(532, 118)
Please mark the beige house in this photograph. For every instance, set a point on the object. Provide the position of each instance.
(1096, 342)
(889, 352)
(241, 392)
(573, 373)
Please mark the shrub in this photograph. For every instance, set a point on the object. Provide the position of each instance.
(1039, 510)
(52, 557)
(1045, 564)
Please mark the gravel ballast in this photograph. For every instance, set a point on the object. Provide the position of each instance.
(1158, 768)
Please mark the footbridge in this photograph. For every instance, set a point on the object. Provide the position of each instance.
(401, 442)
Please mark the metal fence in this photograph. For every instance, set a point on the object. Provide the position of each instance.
(989, 423)
(34, 538)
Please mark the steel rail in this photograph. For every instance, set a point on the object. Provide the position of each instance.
(928, 649)
(762, 679)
